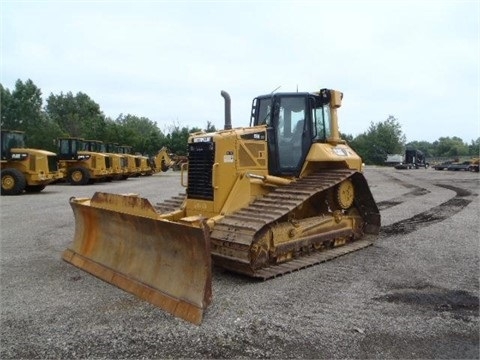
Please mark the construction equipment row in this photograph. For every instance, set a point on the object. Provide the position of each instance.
(78, 161)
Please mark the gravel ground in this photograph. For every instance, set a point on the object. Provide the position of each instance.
(413, 294)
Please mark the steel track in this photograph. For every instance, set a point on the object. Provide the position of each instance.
(240, 229)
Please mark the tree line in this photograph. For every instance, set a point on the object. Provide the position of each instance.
(386, 137)
(69, 115)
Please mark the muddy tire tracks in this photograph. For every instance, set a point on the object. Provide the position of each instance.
(433, 215)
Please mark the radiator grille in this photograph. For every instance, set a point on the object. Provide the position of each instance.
(201, 157)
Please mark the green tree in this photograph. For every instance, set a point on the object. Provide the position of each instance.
(177, 138)
(6, 120)
(77, 116)
(139, 132)
(368, 151)
(22, 110)
(474, 148)
(22, 107)
(210, 127)
(347, 137)
(113, 132)
(380, 139)
(450, 147)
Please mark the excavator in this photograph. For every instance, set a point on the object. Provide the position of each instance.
(280, 195)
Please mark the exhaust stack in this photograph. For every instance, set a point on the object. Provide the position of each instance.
(228, 112)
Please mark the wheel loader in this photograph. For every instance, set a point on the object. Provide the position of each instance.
(133, 163)
(115, 163)
(25, 169)
(280, 195)
(81, 162)
(162, 161)
(146, 167)
(112, 161)
(119, 161)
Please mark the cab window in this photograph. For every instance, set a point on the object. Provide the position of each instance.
(322, 123)
(264, 109)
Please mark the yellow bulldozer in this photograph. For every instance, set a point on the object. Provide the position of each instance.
(25, 169)
(280, 195)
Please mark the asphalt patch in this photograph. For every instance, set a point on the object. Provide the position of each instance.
(462, 303)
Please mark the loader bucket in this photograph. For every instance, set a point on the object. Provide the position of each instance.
(122, 240)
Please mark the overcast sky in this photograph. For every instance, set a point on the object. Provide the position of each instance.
(169, 60)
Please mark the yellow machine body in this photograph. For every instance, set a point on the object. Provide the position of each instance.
(25, 169)
(118, 161)
(277, 196)
(162, 161)
(81, 165)
(177, 279)
(133, 162)
(119, 168)
(145, 167)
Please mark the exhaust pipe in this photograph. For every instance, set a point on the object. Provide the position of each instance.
(228, 112)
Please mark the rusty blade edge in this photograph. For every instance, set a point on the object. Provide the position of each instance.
(177, 307)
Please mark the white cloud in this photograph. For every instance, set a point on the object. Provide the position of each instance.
(168, 61)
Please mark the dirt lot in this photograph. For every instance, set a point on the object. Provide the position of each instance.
(413, 294)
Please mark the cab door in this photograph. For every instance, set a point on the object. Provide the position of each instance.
(291, 135)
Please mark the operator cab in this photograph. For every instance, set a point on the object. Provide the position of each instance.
(11, 139)
(68, 148)
(294, 121)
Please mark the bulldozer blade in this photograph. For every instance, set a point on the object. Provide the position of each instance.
(121, 240)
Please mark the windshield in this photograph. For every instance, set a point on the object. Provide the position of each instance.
(290, 112)
(13, 140)
(291, 116)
